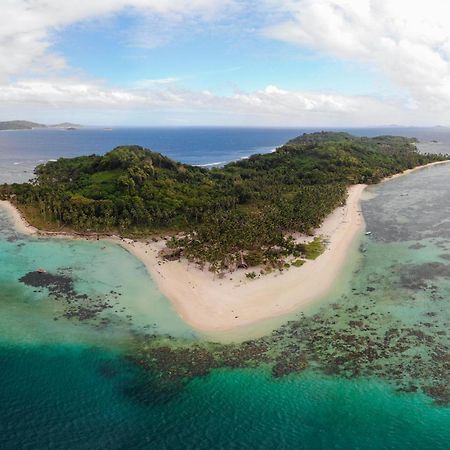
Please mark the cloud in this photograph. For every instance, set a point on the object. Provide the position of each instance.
(271, 105)
(28, 26)
(406, 41)
(149, 83)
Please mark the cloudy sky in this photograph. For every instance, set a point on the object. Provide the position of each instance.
(226, 62)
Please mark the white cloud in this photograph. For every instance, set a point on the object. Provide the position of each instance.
(407, 41)
(152, 82)
(271, 105)
(28, 25)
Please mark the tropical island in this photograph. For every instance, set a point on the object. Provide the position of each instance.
(253, 218)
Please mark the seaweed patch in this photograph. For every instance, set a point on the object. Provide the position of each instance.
(60, 286)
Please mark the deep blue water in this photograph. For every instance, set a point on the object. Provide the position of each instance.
(21, 151)
(190, 145)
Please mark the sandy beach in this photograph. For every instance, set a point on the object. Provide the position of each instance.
(21, 225)
(212, 305)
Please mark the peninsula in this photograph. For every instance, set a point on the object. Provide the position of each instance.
(228, 246)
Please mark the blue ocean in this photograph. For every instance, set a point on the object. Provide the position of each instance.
(98, 359)
(21, 151)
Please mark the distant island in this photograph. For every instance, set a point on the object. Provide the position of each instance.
(67, 125)
(27, 125)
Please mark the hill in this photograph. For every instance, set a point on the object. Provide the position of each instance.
(20, 125)
(26, 125)
(65, 125)
(241, 214)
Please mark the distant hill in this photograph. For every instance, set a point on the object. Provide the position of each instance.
(65, 125)
(20, 125)
(27, 125)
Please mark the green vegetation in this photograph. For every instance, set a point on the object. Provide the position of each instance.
(241, 215)
(315, 248)
(297, 263)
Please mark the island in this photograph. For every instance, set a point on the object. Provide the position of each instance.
(12, 125)
(228, 246)
(20, 125)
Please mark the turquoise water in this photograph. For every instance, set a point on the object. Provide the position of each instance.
(102, 271)
(369, 368)
(229, 409)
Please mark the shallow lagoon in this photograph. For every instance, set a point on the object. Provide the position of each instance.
(367, 367)
(101, 271)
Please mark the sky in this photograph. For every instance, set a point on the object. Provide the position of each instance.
(226, 62)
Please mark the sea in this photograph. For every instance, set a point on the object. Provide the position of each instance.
(93, 356)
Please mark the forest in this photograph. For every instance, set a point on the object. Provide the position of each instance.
(242, 214)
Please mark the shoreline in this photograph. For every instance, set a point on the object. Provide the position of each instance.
(20, 223)
(212, 305)
(414, 169)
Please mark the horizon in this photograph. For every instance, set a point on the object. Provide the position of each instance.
(255, 126)
(235, 62)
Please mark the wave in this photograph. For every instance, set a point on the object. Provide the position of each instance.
(214, 164)
(263, 150)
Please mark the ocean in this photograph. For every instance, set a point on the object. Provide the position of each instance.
(93, 356)
(21, 151)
